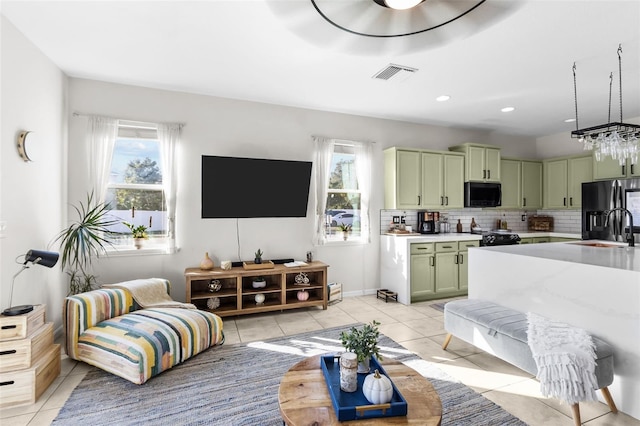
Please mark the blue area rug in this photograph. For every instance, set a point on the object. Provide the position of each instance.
(238, 385)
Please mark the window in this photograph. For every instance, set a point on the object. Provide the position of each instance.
(132, 170)
(135, 189)
(342, 190)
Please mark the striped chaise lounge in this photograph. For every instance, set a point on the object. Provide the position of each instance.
(108, 329)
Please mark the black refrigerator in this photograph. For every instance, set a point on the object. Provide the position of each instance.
(599, 197)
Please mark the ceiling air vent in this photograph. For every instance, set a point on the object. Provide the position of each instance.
(394, 72)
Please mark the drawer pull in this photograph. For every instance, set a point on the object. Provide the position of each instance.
(422, 248)
(10, 352)
(447, 247)
(10, 382)
(9, 327)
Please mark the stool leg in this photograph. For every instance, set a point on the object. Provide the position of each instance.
(609, 399)
(575, 410)
(446, 341)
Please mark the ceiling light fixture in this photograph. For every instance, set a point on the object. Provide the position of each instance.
(507, 109)
(399, 4)
(356, 17)
(443, 98)
(618, 140)
(569, 120)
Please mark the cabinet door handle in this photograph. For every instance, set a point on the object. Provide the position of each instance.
(442, 201)
(570, 201)
(524, 201)
(632, 172)
(461, 259)
(446, 201)
(419, 199)
(455, 260)
(623, 167)
(564, 201)
(432, 261)
(484, 174)
(488, 174)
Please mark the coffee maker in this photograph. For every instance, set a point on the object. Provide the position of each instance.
(428, 222)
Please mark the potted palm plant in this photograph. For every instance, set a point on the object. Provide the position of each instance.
(85, 238)
(364, 343)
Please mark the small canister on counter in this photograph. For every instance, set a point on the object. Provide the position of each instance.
(349, 372)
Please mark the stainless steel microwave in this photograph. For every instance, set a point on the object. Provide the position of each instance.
(479, 194)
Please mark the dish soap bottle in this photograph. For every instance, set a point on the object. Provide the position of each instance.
(504, 222)
(459, 227)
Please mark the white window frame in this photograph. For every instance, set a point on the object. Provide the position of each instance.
(324, 151)
(102, 143)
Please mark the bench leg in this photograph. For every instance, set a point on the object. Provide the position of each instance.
(447, 340)
(575, 410)
(609, 399)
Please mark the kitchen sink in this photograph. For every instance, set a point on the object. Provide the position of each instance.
(600, 245)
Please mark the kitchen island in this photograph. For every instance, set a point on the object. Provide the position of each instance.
(594, 285)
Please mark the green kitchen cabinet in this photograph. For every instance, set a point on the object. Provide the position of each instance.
(403, 177)
(521, 184)
(531, 185)
(423, 179)
(563, 180)
(538, 240)
(482, 163)
(511, 173)
(422, 272)
(608, 168)
(526, 240)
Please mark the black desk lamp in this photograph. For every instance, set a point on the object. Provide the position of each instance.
(33, 257)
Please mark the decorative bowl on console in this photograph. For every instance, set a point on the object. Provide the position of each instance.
(259, 282)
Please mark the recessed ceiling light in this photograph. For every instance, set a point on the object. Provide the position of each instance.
(507, 109)
(443, 98)
(569, 120)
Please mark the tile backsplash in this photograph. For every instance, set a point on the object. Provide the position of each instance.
(567, 221)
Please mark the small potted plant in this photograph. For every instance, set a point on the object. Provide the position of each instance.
(258, 257)
(138, 233)
(345, 230)
(363, 342)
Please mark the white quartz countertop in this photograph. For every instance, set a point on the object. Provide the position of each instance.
(609, 254)
(426, 238)
(466, 236)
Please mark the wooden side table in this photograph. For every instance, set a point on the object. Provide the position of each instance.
(29, 360)
(304, 398)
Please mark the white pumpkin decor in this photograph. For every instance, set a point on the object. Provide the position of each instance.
(377, 388)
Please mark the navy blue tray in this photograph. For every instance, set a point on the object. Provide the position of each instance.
(353, 405)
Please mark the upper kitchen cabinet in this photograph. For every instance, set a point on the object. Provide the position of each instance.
(482, 162)
(422, 179)
(521, 184)
(563, 178)
(609, 168)
(402, 179)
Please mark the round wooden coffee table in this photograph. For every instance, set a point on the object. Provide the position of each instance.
(304, 398)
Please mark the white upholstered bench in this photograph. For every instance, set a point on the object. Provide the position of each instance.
(502, 332)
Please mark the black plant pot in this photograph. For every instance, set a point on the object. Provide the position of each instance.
(257, 260)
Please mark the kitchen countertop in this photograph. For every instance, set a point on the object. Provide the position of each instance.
(620, 256)
(467, 236)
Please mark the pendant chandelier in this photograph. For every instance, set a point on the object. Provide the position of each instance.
(618, 140)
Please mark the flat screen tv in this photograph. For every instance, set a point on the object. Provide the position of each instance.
(235, 187)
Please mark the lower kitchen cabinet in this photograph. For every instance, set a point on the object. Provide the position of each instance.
(422, 274)
(439, 269)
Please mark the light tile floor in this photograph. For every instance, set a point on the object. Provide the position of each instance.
(418, 327)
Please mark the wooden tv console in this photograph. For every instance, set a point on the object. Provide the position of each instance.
(238, 297)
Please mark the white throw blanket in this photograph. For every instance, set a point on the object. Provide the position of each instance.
(565, 357)
(150, 293)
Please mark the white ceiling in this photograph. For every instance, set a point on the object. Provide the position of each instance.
(504, 53)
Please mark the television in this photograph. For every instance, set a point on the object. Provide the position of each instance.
(235, 187)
